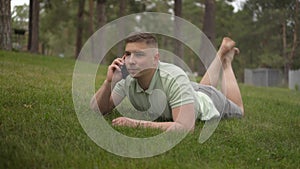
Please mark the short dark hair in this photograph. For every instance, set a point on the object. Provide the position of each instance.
(145, 37)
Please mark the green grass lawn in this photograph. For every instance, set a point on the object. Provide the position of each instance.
(39, 127)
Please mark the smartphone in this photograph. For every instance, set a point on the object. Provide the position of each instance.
(124, 71)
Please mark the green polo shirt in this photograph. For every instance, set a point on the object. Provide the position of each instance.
(169, 88)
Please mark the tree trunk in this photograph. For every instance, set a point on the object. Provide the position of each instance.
(101, 20)
(33, 39)
(295, 36)
(122, 10)
(5, 25)
(209, 27)
(79, 27)
(284, 53)
(289, 57)
(101, 17)
(91, 16)
(91, 29)
(210, 32)
(178, 48)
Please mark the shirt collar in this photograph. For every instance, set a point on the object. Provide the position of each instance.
(139, 89)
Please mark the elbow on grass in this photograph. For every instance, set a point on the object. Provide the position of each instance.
(94, 105)
(96, 108)
(181, 127)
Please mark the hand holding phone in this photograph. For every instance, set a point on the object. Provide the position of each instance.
(124, 69)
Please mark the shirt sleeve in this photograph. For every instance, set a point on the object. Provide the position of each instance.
(180, 91)
(120, 88)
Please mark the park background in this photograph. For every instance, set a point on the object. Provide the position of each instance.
(41, 40)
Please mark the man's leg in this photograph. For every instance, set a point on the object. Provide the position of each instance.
(211, 77)
(229, 84)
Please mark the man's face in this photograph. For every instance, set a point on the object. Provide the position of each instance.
(140, 59)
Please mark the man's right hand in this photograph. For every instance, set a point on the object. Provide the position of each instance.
(114, 70)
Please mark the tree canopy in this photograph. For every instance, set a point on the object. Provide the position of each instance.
(265, 31)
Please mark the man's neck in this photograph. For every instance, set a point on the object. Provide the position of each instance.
(145, 80)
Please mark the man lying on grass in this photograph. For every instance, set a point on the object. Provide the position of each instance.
(185, 101)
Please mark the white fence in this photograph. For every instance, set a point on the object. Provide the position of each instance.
(294, 79)
(263, 77)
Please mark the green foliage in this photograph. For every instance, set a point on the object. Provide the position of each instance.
(20, 16)
(270, 61)
(193, 11)
(58, 27)
(39, 127)
(257, 28)
(268, 18)
(19, 27)
(224, 21)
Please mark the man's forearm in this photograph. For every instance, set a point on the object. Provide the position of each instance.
(159, 125)
(101, 99)
(166, 126)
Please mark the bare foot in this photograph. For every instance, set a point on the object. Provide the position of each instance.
(228, 57)
(227, 51)
(226, 46)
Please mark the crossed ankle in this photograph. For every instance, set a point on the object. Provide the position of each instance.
(226, 45)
